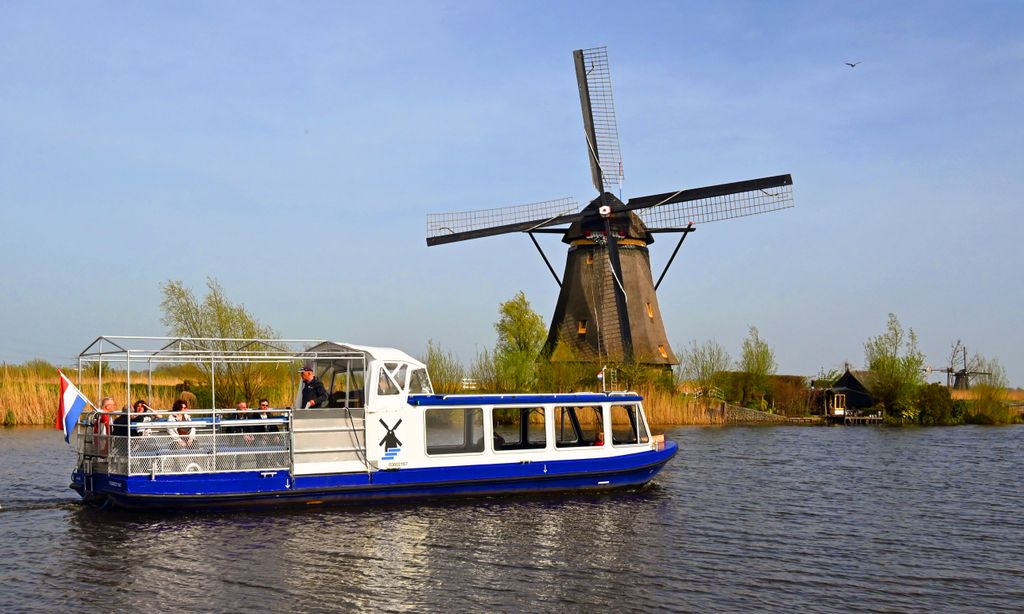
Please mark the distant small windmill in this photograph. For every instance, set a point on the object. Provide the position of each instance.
(959, 379)
(607, 307)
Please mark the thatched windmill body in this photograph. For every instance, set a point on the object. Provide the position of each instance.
(607, 308)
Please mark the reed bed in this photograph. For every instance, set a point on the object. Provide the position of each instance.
(664, 408)
(28, 396)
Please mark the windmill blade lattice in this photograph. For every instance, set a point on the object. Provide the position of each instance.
(717, 207)
(599, 122)
(441, 225)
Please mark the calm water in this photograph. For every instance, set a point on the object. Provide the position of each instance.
(745, 519)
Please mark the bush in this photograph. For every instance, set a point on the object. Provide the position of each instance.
(936, 406)
(980, 418)
(959, 410)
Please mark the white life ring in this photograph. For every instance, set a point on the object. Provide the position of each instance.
(193, 468)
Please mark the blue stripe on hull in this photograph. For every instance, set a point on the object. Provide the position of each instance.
(251, 489)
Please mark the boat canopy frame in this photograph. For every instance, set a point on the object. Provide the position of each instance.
(154, 351)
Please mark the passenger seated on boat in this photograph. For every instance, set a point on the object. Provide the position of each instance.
(599, 439)
(269, 429)
(101, 426)
(121, 424)
(181, 436)
(264, 409)
(141, 407)
(499, 442)
(241, 412)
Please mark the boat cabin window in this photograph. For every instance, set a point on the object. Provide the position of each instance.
(344, 380)
(518, 428)
(385, 382)
(454, 430)
(399, 375)
(628, 425)
(577, 426)
(419, 383)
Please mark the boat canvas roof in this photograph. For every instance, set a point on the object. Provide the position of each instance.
(374, 352)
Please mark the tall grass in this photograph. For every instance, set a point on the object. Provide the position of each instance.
(667, 408)
(28, 392)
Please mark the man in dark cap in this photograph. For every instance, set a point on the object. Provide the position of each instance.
(313, 392)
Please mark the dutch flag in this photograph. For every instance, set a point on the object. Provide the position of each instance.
(72, 402)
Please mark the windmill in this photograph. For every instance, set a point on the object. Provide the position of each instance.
(607, 308)
(959, 379)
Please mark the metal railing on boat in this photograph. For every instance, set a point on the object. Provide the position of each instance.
(209, 441)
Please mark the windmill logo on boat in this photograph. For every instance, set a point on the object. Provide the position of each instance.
(391, 444)
(607, 306)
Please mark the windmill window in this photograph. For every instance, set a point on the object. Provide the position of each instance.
(650, 311)
(661, 350)
(590, 257)
(581, 327)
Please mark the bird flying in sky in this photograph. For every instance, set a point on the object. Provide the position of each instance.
(854, 65)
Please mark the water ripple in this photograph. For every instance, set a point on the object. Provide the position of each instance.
(745, 519)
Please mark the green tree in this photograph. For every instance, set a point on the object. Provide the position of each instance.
(898, 366)
(757, 364)
(521, 336)
(446, 372)
(704, 366)
(989, 405)
(218, 323)
(484, 372)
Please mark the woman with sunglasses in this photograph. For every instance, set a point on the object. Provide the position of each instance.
(181, 436)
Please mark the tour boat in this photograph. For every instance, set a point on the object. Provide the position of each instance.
(383, 434)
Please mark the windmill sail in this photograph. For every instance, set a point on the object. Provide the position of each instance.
(595, 85)
(462, 225)
(714, 203)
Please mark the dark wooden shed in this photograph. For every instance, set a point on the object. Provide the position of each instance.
(851, 393)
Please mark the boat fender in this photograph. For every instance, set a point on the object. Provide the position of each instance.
(193, 468)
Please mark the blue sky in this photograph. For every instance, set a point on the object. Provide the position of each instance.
(293, 150)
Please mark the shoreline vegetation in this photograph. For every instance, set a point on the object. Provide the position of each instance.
(28, 394)
(707, 387)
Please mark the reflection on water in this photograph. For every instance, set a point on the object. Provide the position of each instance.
(743, 519)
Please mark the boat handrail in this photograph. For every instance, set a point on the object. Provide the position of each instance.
(210, 443)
